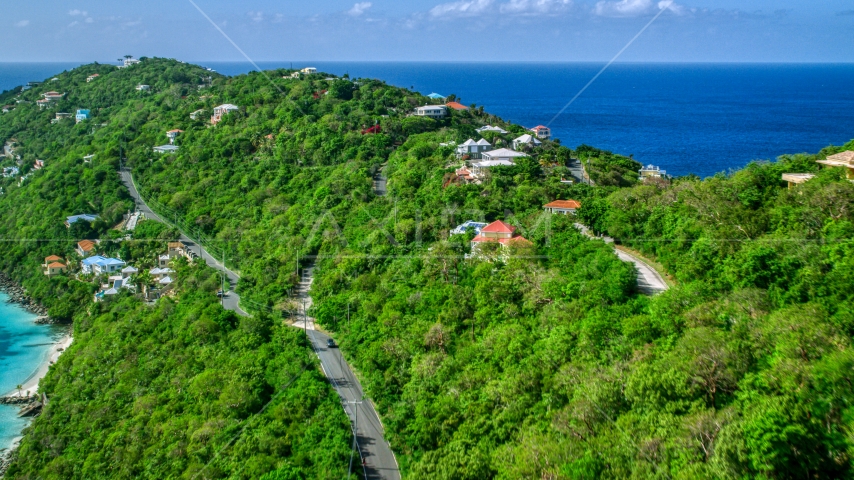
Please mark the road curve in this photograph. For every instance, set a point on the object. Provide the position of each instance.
(649, 280)
(379, 460)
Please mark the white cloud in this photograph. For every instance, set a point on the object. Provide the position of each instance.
(359, 8)
(22, 23)
(634, 8)
(76, 12)
(90, 20)
(73, 24)
(461, 8)
(256, 17)
(534, 7)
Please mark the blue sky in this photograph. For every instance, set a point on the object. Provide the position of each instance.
(431, 30)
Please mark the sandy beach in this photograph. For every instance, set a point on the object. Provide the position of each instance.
(31, 384)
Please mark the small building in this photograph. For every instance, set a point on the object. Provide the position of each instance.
(85, 248)
(308, 70)
(86, 217)
(11, 172)
(160, 272)
(82, 115)
(490, 128)
(526, 140)
(481, 169)
(166, 149)
(129, 61)
(469, 225)
(195, 115)
(456, 106)
(652, 171)
(38, 165)
(502, 154)
(43, 103)
(498, 232)
(54, 265)
(844, 160)
(92, 77)
(89, 158)
(436, 96)
(177, 249)
(432, 111)
(128, 271)
(143, 88)
(562, 207)
(465, 175)
(8, 108)
(222, 111)
(542, 132)
(172, 135)
(60, 116)
(797, 178)
(53, 96)
(473, 149)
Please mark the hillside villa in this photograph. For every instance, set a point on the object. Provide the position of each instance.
(92, 77)
(562, 207)
(498, 232)
(86, 248)
(143, 88)
(526, 140)
(473, 149)
(490, 128)
(844, 160)
(101, 265)
(652, 171)
(166, 149)
(54, 265)
(471, 224)
(172, 135)
(222, 111)
(502, 154)
(436, 96)
(86, 217)
(82, 115)
(456, 106)
(431, 111)
(797, 178)
(543, 133)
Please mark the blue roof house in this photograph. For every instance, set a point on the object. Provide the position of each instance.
(82, 115)
(436, 96)
(99, 265)
(86, 217)
(463, 229)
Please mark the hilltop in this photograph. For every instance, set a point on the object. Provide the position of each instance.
(524, 359)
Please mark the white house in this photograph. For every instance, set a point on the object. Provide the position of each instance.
(652, 171)
(480, 169)
(92, 77)
(502, 154)
(128, 62)
(143, 88)
(490, 128)
(432, 111)
(543, 133)
(172, 135)
(166, 149)
(526, 140)
(562, 207)
(308, 70)
(100, 265)
(222, 111)
(473, 149)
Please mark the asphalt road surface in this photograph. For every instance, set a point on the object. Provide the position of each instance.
(380, 463)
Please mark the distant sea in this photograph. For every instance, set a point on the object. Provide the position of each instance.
(685, 118)
(24, 346)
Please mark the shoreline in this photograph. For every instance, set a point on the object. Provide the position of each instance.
(31, 384)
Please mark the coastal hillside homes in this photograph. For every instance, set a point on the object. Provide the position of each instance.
(465, 175)
(222, 111)
(11, 172)
(652, 171)
(166, 149)
(844, 160)
(490, 128)
(92, 77)
(129, 271)
(38, 165)
(85, 217)
(542, 132)
(172, 135)
(526, 140)
(7, 108)
(60, 116)
(143, 88)
(99, 265)
(86, 247)
(129, 61)
(797, 178)
(308, 70)
(473, 149)
(432, 111)
(82, 115)
(498, 232)
(468, 225)
(456, 106)
(436, 96)
(481, 169)
(195, 115)
(43, 103)
(54, 265)
(562, 207)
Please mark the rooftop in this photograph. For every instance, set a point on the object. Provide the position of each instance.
(457, 106)
(498, 227)
(565, 204)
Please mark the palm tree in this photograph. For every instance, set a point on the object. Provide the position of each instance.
(20, 387)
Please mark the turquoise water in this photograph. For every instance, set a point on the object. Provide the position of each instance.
(23, 347)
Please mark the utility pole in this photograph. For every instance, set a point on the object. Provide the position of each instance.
(304, 318)
(355, 429)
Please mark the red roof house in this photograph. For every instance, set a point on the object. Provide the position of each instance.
(499, 232)
(375, 129)
(562, 207)
(456, 106)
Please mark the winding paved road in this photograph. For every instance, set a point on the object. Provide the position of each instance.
(379, 460)
(649, 280)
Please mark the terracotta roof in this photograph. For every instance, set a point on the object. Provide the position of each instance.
(539, 127)
(457, 106)
(498, 227)
(86, 245)
(567, 204)
(52, 258)
(56, 265)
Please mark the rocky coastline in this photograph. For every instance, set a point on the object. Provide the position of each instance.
(18, 295)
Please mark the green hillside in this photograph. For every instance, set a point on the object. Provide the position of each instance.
(540, 361)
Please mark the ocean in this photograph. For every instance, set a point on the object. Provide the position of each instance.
(23, 347)
(686, 118)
